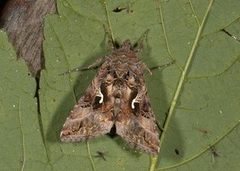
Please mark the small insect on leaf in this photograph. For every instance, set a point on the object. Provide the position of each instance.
(101, 154)
(214, 153)
(176, 151)
(118, 9)
(204, 131)
(116, 99)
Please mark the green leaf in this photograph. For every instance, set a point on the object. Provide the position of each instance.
(208, 100)
(206, 108)
(204, 114)
(20, 136)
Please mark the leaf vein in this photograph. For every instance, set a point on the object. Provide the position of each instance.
(23, 138)
(108, 21)
(194, 12)
(204, 150)
(184, 74)
(72, 88)
(223, 27)
(70, 6)
(162, 23)
(217, 74)
(66, 61)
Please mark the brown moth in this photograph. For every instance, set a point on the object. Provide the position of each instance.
(117, 97)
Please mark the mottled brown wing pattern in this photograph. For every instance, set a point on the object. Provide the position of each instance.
(89, 118)
(136, 123)
(139, 132)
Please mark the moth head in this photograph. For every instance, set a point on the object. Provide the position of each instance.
(126, 44)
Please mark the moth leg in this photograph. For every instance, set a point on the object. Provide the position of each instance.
(162, 66)
(149, 70)
(94, 65)
(159, 126)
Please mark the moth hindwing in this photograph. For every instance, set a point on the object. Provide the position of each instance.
(117, 97)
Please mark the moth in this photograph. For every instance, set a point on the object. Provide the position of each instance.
(117, 99)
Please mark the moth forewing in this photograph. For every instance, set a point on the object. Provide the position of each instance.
(117, 96)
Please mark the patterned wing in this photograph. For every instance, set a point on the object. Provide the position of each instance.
(136, 123)
(90, 117)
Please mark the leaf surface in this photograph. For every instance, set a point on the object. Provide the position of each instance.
(206, 114)
(207, 106)
(22, 146)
